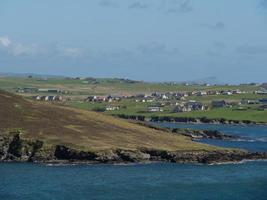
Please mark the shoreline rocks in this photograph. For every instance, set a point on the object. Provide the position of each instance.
(191, 120)
(16, 149)
(205, 134)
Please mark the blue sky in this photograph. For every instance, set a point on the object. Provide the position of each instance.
(153, 40)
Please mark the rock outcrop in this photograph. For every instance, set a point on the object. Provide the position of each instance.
(14, 148)
(205, 134)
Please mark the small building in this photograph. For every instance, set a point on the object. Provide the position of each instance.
(112, 108)
(249, 101)
(236, 91)
(263, 107)
(48, 98)
(213, 92)
(201, 93)
(180, 108)
(263, 101)
(155, 109)
(26, 90)
(262, 92)
(227, 93)
(218, 104)
(193, 105)
(38, 98)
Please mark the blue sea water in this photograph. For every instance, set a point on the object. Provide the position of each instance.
(254, 137)
(162, 181)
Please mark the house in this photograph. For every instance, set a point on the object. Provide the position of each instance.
(227, 93)
(48, 98)
(112, 108)
(201, 93)
(249, 101)
(96, 99)
(49, 90)
(193, 105)
(38, 98)
(236, 91)
(262, 92)
(164, 97)
(263, 101)
(181, 108)
(26, 90)
(58, 98)
(155, 109)
(218, 104)
(90, 98)
(213, 92)
(263, 107)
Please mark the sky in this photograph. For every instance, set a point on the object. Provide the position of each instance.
(151, 40)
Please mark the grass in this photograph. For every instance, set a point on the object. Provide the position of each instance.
(79, 90)
(129, 107)
(85, 130)
(228, 114)
(108, 86)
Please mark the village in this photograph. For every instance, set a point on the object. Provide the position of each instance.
(179, 102)
(174, 102)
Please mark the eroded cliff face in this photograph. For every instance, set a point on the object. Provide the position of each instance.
(14, 148)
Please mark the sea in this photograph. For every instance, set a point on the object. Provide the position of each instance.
(158, 181)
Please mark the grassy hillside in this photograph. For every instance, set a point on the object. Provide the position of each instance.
(83, 129)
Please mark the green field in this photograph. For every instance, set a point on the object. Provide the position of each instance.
(78, 90)
(109, 86)
(128, 107)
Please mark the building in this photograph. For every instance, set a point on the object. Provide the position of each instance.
(48, 98)
(201, 93)
(181, 108)
(249, 101)
(193, 105)
(218, 104)
(155, 109)
(227, 93)
(263, 107)
(49, 90)
(263, 101)
(112, 108)
(26, 90)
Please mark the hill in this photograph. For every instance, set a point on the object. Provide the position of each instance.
(82, 129)
(32, 131)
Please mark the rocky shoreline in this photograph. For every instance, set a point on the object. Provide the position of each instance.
(189, 120)
(16, 149)
(197, 134)
(206, 134)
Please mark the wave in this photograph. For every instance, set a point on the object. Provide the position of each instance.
(237, 162)
(246, 139)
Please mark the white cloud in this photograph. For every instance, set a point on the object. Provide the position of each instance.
(71, 52)
(4, 41)
(19, 49)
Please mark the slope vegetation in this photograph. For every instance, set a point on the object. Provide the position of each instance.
(85, 130)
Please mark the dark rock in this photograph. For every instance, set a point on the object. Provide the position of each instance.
(205, 134)
(65, 153)
(133, 156)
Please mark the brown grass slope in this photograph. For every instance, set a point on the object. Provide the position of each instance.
(83, 129)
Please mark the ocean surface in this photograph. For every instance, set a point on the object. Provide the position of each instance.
(247, 181)
(161, 181)
(253, 137)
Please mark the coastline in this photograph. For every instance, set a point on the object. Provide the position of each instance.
(20, 150)
(188, 120)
